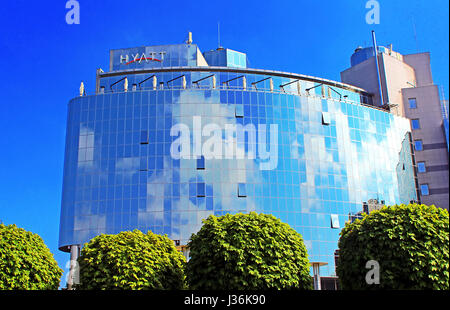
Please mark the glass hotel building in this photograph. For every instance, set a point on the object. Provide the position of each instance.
(334, 150)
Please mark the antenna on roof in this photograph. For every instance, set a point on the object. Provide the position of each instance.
(218, 35)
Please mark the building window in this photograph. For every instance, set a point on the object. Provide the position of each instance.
(239, 110)
(201, 163)
(325, 118)
(421, 167)
(334, 221)
(200, 189)
(424, 190)
(241, 190)
(418, 146)
(144, 137)
(415, 124)
(143, 164)
(412, 103)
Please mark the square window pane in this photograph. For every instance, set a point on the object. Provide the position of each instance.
(325, 118)
(334, 221)
(143, 164)
(415, 124)
(201, 162)
(192, 189)
(418, 145)
(200, 189)
(144, 137)
(241, 190)
(412, 103)
(239, 112)
(424, 190)
(421, 167)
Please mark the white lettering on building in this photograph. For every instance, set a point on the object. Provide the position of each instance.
(139, 58)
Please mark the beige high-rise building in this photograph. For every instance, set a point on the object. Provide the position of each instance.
(407, 89)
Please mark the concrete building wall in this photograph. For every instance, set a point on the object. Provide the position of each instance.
(434, 153)
(421, 64)
(364, 75)
(395, 75)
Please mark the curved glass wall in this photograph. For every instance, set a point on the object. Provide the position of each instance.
(310, 156)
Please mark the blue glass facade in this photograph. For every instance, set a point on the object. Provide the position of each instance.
(332, 154)
(224, 57)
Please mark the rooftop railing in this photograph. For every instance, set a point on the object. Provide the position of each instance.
(161, 86)
(152, 84)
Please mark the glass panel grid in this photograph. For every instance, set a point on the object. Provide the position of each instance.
(321, 176)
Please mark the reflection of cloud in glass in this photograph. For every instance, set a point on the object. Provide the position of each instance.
(374, 170)
(85, 226)
(405, 172)
(86, 147)
(308, 245)
(364, 169)
(232, 171)
(127, 165)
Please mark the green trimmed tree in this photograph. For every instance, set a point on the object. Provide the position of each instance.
(409, 242)
(26, 263)
(247, 252)
(131, 260)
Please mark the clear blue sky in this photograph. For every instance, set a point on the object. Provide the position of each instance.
(43, 60)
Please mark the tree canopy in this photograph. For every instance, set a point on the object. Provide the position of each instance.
(409, 242)
(247, 251)
(131, 260)
(26, 263)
